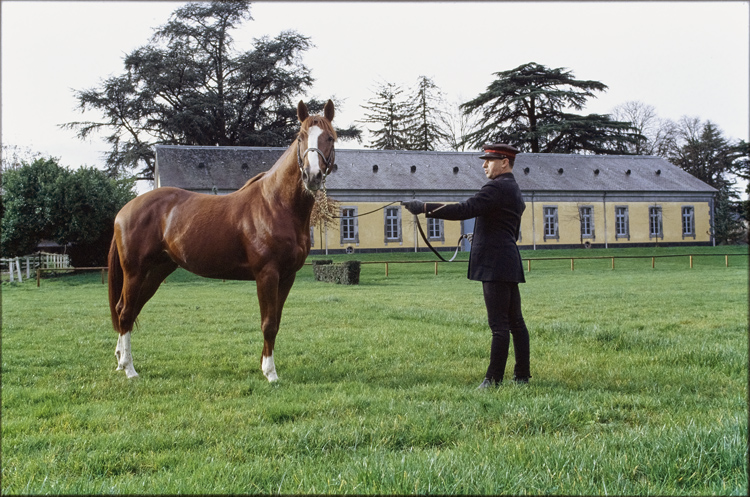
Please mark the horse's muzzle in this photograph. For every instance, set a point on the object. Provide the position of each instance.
(313, 182)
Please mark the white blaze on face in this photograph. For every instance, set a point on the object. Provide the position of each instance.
(269, 368)
(313, 158)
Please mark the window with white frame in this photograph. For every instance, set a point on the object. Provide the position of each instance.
(349, 225)
(551, 229)
(435, 229)
(587, 221)
(392, 224)
(622, 222)
(654, 222)
(688, 221)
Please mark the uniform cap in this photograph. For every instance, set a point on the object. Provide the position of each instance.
(499, 151)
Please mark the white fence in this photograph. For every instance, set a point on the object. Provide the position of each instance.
(15, 266)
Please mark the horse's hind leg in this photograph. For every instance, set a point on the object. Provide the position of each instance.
(137, 290)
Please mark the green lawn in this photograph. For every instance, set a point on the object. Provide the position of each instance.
(640, 384)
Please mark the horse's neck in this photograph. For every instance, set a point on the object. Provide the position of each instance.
(283, 182)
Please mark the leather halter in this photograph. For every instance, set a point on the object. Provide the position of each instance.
(328, 161)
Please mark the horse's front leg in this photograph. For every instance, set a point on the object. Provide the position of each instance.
(268, 297)
(272, 293)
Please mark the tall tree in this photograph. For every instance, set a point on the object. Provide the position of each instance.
(527, 107)
(30, 197)
(657, 135)
(741, 168)
(189, 86)
(45, 201)
(457, 126)
(387, 110)
(702, 150)
(425, 128)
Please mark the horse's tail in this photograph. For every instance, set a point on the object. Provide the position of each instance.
(115, 283)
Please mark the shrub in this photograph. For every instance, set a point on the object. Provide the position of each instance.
(345, 273)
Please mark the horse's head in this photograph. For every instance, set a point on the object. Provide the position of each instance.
(315, 150)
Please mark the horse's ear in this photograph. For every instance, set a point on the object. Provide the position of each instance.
(302, 113)
(328, 110)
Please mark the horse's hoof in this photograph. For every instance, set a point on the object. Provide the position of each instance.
(272, 377)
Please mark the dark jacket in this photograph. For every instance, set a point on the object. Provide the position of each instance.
(498, 207)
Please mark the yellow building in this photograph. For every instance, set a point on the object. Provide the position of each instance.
(571, 200)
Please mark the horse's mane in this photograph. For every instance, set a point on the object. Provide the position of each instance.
(252, 180)
(309, 122)
(318, 121)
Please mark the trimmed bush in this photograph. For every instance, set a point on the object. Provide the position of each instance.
(345, 273)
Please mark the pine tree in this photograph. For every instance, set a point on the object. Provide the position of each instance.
(702, 150)
(528, 107)
(425, 130)
(390, 113)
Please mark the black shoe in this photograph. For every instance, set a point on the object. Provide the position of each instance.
(521, 379)
(489, 383)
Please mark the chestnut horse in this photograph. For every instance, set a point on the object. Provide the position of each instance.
(260, 232)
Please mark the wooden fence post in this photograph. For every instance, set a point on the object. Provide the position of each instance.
(18, 269)
(38, 277)
(691, 262)
(386, 269)
(652, 262)
(435, 268)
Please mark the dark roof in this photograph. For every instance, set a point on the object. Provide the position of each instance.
(203, 168)
(228, 168)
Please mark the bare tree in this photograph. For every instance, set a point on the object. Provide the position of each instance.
(457, 126)
(658, 135)
(14, 157)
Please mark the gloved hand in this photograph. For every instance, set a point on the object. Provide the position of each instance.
(414, 206)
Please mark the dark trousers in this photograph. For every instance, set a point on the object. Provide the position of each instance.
(503, 301)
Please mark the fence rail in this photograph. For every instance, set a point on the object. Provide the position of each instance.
(528, 261)
(571, 259)
(35, 261)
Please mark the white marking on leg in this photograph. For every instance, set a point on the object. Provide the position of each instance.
(125, 360)
(269, 368)
(118, 352)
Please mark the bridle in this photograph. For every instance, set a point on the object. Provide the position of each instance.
(328, 161)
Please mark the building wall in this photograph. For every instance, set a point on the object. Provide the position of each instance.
(370, 228)
(371, 231)
(604, 232)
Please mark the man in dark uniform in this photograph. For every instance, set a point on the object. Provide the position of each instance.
(494, 258)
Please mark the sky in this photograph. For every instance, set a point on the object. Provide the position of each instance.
(682, 58)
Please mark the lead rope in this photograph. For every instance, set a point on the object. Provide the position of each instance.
(419, 226)
(424, 237)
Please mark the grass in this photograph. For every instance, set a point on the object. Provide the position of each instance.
(640, 385)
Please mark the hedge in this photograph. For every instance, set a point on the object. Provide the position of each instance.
(345, 273)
